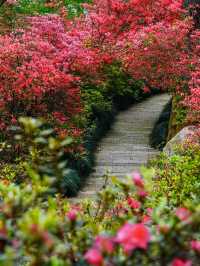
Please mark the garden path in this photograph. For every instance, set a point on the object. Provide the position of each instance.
(126, 146)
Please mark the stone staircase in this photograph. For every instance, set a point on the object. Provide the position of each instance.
(126, 146)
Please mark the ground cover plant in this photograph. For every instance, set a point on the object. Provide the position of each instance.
(177, 177)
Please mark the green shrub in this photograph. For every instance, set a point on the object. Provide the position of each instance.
(38, 229)
(32, 7)
(120, 87)
(46, 153)
(178, 176)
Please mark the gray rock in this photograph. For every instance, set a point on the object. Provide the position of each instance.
(180, 138)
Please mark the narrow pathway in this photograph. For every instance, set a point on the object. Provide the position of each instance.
(126, 146)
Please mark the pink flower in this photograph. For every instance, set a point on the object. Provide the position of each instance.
(142, 193)
(72, 215)
(180, 262)
(183, 214)
(105, 244)
(150, 211)
(134, 204)
(195, 245)
(94, 257)
(137, 179)
(11, 2)
(132, 236)
(146, 219)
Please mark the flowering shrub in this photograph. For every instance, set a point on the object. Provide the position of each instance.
(138, 33)
(193, 100)
(119, 228)
(32, 83)
(46, 57)
(75, 72)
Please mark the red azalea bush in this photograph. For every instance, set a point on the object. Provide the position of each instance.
(143, 35)
(39, 66)
(193, 100)
(33, 83)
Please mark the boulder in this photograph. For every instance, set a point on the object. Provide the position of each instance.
(180, 138)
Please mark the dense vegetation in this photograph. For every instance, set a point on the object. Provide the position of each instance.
(138, 219)
(72, 74)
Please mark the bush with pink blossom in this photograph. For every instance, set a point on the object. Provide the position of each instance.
(105, 231)
(123, 225)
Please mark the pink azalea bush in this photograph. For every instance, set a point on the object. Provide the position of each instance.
(32, 81)
(49, 59)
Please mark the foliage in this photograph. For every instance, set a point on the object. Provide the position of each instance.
(49, 68)
(36, 7)
(32, 82)
(38, 229)
(178, 176)
(193, 100)
(74, 73)
(46, 154)
(47, 78)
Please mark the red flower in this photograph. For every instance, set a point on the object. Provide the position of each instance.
(47, 239)
(180, 262)
(146, 90)
(137, 179)
(195, 245)
(134, 204)
(146, 219)
(94, 257)
(132, 236)
(183, 214)
(105, 244)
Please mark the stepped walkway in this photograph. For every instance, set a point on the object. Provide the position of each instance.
(126, 146)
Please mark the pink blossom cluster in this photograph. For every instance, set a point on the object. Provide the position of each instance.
(138, 236)
(11, 2)
(42, 67)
